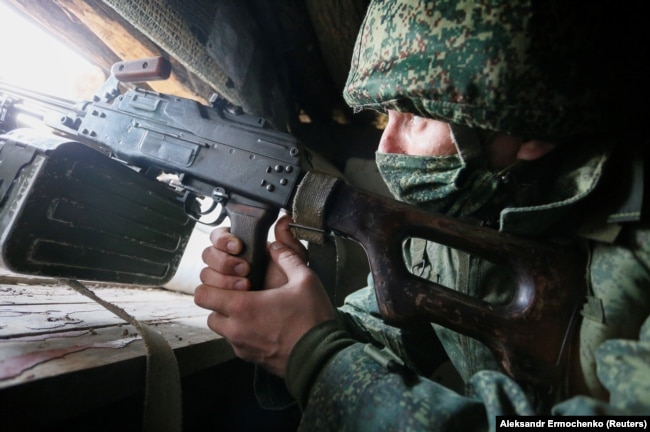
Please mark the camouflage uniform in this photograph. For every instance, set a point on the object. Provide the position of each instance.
(493, 66)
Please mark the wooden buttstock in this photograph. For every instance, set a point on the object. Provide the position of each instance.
(530, 335)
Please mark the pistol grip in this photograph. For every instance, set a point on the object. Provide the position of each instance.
(251, 224)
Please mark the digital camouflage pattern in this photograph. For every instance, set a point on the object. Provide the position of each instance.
(354, 391)
(459, 189)
(523, 67)
(473, 63)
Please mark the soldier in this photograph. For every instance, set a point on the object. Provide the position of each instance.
(515, 115)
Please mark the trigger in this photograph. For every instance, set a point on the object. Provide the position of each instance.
(217, 221)
(194, 212)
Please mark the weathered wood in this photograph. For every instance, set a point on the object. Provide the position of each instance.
(62, 355)
(84, 380)
(41, 310)
(48, 330)
(104, 37)
(54, 19)
(278, 60)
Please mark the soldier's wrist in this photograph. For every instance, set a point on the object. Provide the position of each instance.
(311, 354)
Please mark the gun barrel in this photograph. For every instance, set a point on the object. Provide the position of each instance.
(42, 99)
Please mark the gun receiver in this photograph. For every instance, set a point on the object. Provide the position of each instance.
(223, 154)
(218, 152)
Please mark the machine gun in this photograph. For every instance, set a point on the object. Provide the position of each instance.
(252, 171)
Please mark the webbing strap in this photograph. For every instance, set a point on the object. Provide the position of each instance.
(162, 400)
(309, 206)
(326, 253)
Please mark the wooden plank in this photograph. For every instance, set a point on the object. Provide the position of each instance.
(86, 380)
(30, 358)
(25, 290)
(36, 309)
(48, 330)
(43, 318)
(63, 355)
(54, 20)
(104, 37)
(117, 34)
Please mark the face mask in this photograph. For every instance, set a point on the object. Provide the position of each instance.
(443, 184)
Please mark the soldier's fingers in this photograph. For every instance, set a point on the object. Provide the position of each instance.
(225, 263)
(220, 280)
(223, 240)
(284, 235)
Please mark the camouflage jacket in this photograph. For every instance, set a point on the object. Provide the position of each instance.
(528, 69)
(342, 383)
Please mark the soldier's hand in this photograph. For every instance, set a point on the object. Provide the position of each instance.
(262, 326)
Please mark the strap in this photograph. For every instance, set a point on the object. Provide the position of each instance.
(309, 206)
(326, 252)
(328, 261)
(162, 400)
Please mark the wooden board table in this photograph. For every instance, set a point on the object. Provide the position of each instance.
(60, 352)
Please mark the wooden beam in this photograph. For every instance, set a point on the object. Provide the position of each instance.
(104, 37)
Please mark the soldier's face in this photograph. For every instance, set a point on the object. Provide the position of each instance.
(418, 136)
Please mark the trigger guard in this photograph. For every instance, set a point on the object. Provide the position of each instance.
(197, 216)
(222, 216)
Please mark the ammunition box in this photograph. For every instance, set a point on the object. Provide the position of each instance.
(70, 211)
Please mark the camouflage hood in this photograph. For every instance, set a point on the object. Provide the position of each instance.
(540, 69)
